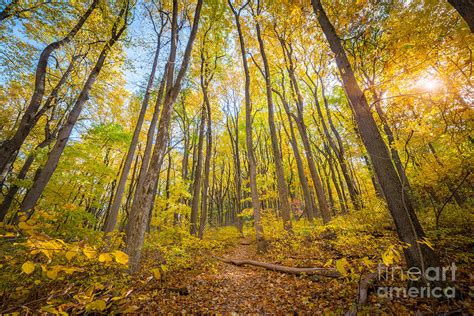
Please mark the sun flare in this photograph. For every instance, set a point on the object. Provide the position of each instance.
(428, 84)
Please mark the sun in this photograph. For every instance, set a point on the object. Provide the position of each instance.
(428, 84)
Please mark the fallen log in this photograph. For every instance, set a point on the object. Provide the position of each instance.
(330, 273)
(365, 282)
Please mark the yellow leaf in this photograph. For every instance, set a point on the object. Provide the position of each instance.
(426, 242)
(22, 216)
(8, 235)
(98, 305)
(156, 273)
(71, 270)
(28, 267)
(70, 255)
(116, 298)
(105, 257)
(24, 225)
(89, 253)
(52, 274)
(121, 257)
(50, 309)
(341, 266)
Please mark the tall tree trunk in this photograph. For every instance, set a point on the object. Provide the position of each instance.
(50, 102)
(139, 213)
(391, 142)
(373, 178)
(408, 227)
(206, 77)
(49, 137)
(318, 186)
(237, 167)
(329, 190)
(150, 136)
(9, 197)
(114, 210)
(197, 176)
(355, 195)
(280, 172)
(9, 147)
(38, 186)
(133, 182)
(339, 192)
(466, 9)
(261, 244)
(207, 165)
(310, 208)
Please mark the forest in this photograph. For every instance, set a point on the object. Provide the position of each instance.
(236, 156)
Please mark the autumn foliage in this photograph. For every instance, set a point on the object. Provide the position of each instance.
(197, 156)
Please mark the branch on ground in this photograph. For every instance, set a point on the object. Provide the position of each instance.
(330, 273)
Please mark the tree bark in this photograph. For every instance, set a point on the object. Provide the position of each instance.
(150, 136)
(197, 175)
(140, 209)
(40, 183)
(9, 147)
(111, 221)
(206, 78)
(207, 165)
(408, 228)
(355, 195)
(310, 208)
(261, 244)
(318, 186)
(280, 172)
(465, 8)
(339, 189)
(330, 273)
(391, 142)
(237, 168)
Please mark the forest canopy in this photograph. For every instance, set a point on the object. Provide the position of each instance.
(211, 156)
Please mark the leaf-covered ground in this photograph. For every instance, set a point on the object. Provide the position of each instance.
(228, 288)
(181, 274)
(232, 289)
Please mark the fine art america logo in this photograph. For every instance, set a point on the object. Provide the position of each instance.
(435, 275)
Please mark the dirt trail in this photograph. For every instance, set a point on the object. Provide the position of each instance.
(247, 289)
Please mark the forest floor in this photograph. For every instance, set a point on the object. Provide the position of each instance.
(242, 289)
(226, 288)
(183, 274)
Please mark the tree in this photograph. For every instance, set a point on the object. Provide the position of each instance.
(280, 173)
(408, 227)
(465, 8)
(302, 129)
(14, 8)
(198, 175)
(248, 133)
(111, 219)
(140, 209)
(30, 117)
(119, 26)
(309, 203)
